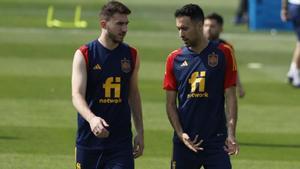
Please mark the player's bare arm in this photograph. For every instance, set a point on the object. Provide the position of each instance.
(193, 144)
(136, 108)
(79, 80)
(231, 117)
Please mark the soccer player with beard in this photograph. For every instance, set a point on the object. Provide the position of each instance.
(212, 28)
(198, 78)
(105, 93)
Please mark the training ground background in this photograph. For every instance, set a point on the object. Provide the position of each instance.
(38, 122)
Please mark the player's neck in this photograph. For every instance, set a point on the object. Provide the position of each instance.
(214, 39)
(198, 48)
(107, 42)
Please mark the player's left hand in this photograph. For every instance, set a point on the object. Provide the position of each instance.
(138, 147)
(231, 146)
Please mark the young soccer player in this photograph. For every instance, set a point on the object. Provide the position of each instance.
(212, 29)
(198, 76)
(105, 93)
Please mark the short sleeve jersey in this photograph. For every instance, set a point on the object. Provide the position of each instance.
(200, 80)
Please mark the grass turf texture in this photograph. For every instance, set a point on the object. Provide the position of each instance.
(38, 123)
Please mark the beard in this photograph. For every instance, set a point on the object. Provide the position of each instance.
(213, 36)
(189, 43)
(116, 38)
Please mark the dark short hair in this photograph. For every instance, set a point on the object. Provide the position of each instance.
(111, 8)
(191, 10)
(216, 17)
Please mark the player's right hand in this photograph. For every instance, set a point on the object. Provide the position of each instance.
(192, 145)
(98, 127)
(231, 146)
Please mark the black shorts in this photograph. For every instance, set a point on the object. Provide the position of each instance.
(213, 158)
(104, 159)
(294, 16)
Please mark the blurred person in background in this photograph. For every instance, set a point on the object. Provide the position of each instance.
(290, 11)
(241, 16)
(212, 29)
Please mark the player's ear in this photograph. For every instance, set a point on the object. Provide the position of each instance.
(200, 25)
(197, 24)
(103, 23)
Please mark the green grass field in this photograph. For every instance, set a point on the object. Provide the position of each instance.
(38, 122)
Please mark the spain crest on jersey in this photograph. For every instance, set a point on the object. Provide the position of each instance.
(125, 65)
(212, 59)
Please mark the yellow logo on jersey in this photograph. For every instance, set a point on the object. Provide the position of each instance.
(112, 84)
(197, 81)
(97, 67)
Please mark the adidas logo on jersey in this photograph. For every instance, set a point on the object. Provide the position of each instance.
(184, 64)
(97, 67)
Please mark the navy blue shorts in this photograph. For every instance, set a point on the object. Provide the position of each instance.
(104, 159)
(294, 16)
(212, 158)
